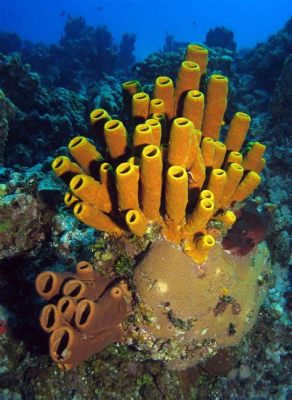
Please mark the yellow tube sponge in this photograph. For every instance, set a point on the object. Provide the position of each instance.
(220, 151)
(65, 169)
(216, 104)
(208, 151)
(260, 166)
(91, 191)
(151, 182)
(193, 107)
(199, 55)
(127, 186)
(249, 183)
(199, 135)
(164, 90)
(206, 194)
(142, 137)
(156, 130)
(116, 138)
(216, 184)
(131, 87)
(197, 172)
(228, 218)
(188, 79)
(105, 173)
(98, 118)
(234, 157)
(194, 150)
(234, 175)
(199, 249)
(253, 158)
(107, 178)
(95, 218)
(180, 142)
(70, 200)
(140, 105)
(203, 245)
(176, 193)
(85, 154)
(136, 222)
(156, 106)
(199, 218)
(237, 131)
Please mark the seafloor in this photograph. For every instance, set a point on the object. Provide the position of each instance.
(46, 94)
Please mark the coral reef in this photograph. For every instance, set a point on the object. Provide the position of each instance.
(20, 228)
(182, 198)
(83, 55)
(126, 56)
(267, 59)
(7, 114)
(31, 116)
(220, 37)
(257, 368)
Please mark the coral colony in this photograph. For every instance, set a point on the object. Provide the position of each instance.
(164, 194)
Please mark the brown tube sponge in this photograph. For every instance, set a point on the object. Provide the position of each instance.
(69, 348)
(77, 289)
(110, 310)
(67, 307)
(49, 283)
(51, 318)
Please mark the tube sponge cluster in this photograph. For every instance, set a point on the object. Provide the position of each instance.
(87, 316)
(165, 165)
(163, 172)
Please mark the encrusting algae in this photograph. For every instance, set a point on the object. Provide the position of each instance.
(165, 192)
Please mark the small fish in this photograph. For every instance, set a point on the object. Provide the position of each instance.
(62, 14)
(99, 8)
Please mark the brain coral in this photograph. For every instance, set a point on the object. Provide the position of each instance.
(164, 193)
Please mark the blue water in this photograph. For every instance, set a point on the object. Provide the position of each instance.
(251, 21)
